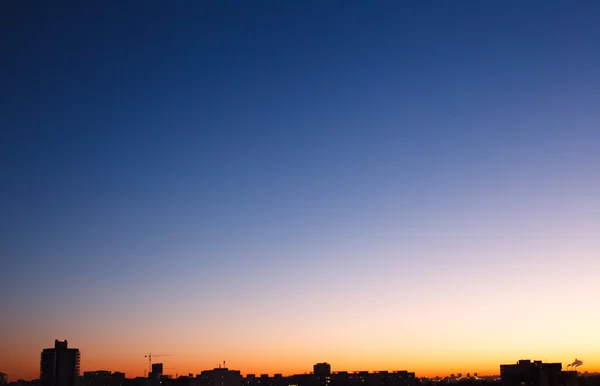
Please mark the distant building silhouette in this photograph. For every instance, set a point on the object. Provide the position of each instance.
(536, 373)
(528, 373)
(59, 366)
(323, 372)
(96, 378)
(322, 376)
(157, 371)
(226, 377)
(322, 369)
(22, 382)
(250, 380)
(3, 379)
(103, 378)
(221, 376)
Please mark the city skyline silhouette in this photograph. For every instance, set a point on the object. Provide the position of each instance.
(61, 366)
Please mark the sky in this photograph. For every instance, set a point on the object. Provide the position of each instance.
(379, 185)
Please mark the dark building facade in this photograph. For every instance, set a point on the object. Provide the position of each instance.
(379, 378)
(157, 371)
(323, 373)
(528, 373)
(250, 380)
(322, 369)
(3, 379)
(102, 378)
(59, 366)
(221, 376)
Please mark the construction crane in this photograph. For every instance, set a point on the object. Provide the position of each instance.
(149, 356)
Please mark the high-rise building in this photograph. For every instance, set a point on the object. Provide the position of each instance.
(3, 379)
(59, 366)
(157, 371)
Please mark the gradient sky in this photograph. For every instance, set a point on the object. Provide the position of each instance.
(379, 185)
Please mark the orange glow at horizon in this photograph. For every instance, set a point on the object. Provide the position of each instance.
(133, 364)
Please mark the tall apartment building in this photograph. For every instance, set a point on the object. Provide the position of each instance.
(59, 366)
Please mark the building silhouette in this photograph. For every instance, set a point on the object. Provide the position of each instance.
(96, 378)
(103, 378)
(221, 376)
(59, 366)
(3, 379)
(323, 376)
(536, 373)
(224, 377)
(157, 371)
(323, 372)
(379, 378)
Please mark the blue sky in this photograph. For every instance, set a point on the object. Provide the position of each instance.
(175, 154)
